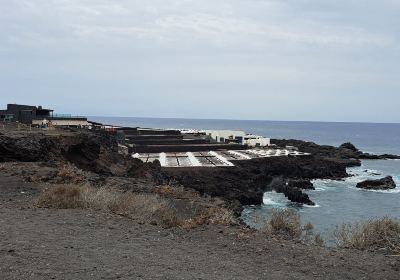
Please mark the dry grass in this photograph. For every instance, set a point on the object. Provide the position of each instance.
(145, 207)
(177, 192)
(376, 234)
(69, 173)
(318, 240)
(285, 223)
(62, 197)
(214, 216)
(150, 208)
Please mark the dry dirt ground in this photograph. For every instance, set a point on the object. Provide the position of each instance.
(81, 244)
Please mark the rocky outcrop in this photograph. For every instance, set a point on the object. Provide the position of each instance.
(25, 148)
(349, 146)
(386, 183)
(344, 151)
(248, 180)
(245, 183)
(303, 184)
(90, 151)
(290, 188)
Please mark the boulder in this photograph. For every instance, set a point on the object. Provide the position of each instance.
(294, 194)
(304, 184)
(348, 146)
(386, 183)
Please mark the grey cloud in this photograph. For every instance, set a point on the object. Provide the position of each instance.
(272, 50)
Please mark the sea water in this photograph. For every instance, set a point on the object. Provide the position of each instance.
(337, 202)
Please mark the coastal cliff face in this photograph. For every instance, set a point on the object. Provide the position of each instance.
(343, 152)
(243, 184)
(248, 180)
(90, 151)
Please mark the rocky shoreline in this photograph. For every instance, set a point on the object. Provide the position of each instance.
(248, 180)
(77, 239)
(244, 184)
(386, 183)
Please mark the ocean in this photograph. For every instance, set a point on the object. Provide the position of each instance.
(337, 202)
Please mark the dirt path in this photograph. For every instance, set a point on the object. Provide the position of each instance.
(79, 244)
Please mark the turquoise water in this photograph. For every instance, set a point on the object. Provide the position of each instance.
(337, 201)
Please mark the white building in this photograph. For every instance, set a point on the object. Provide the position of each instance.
(226, 135)
(256, 141)
(238, 136)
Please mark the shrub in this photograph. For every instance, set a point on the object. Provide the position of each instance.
(318, 240)
(285, 223)
(221, 216)
(212, 215)
(145, 207)
(375, 234)
(151, 208)
(63, 197)
(69, 173)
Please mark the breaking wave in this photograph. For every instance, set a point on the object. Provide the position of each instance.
(275, 199)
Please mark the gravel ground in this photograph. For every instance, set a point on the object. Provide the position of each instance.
(82, 244)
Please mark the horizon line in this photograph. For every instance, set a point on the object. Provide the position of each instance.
(259, 120)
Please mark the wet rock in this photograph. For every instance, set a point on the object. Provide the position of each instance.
(294, 194)
(304, 184)
(386, 183)
(346, 151)
(349, 146)
(247, 181)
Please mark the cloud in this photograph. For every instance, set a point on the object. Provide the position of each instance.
(248, 24)
(167, 49)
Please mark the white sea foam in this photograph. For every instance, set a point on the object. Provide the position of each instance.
(324, 185)
(275, 199)
(312, 206)
(392, 191)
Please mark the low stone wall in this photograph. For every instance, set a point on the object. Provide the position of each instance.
(65, 122)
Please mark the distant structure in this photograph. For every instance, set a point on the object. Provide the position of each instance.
(239, 137)
(28, 114)
(224, 136)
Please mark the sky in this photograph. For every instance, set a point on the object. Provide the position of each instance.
(308, 60)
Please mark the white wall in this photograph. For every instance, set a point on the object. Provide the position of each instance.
(63, 122)
(226, 134)
(258, 141)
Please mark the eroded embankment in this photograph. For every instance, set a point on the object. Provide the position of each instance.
(244, 184)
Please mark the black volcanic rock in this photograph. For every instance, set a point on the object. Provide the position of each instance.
(25, 148)
(304, 184)
(90, 151)
(287, 187)
(248, 180)
(345, 151)
(349, 146)
(296, 195)
(386, 183)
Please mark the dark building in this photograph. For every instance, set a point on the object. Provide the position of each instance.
(24, 113)
(33, 115)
